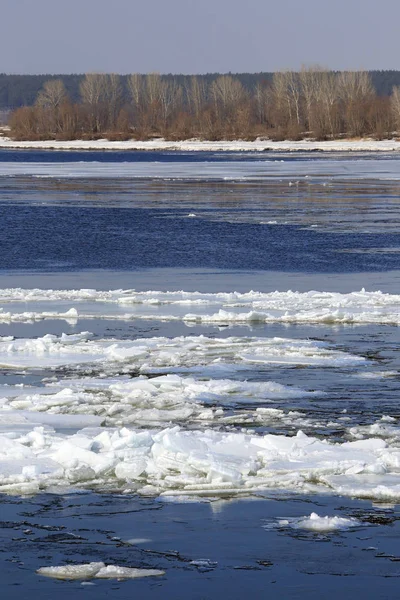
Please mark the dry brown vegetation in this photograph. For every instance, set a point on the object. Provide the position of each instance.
(311, 103)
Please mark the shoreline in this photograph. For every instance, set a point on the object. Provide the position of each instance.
(193, 145)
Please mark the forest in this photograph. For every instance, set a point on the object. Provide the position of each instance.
(313, 103)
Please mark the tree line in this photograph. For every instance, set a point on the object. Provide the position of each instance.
(21, 90)
(313, 102)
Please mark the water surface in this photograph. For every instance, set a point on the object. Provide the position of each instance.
(208, 223)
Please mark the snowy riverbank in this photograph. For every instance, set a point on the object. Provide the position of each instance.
(259, 145)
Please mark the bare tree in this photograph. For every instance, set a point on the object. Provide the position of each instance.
(48, 103)
(355, 90)
(326, 103)
(294, 92)
(153, 98)
(93, 92)
(153, 87)
(227, 93)
(286, 94)
(261, 97)
(326, 110)
(113, 98)
(395, 106)
(310, 82)
(69, 121)
(52, 95)
(195, 95)
(23, 123)
(137, 93)
(380, 116)
(170, 96)
(136, 87)
(354, 85)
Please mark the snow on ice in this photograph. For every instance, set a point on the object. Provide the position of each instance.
(361, 307)
(97, 570)
(320, 524)
(159, 416)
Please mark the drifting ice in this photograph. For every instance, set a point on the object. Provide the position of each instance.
(207, 463)
(320, 524)
(97, 570)
(220, 308)
(171, 436)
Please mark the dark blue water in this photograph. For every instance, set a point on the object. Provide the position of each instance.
(241, 557)
(68, 225)
(75, 238)
(64, 224)
(115, 156)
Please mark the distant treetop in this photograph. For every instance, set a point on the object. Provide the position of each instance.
(22, 90)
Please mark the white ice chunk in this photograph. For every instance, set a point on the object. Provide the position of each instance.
(85, 571)
(115, 572)
(320, 524)
(98, 570)
(357, 307)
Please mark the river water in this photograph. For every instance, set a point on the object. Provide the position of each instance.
(200, 372)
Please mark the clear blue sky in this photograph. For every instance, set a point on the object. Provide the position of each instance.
(197, 36)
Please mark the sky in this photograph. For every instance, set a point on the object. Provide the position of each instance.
(197, 36)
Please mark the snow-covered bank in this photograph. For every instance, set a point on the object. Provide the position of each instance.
(259, 145)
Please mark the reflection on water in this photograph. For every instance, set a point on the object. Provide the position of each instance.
(127, 225)
(338, 206)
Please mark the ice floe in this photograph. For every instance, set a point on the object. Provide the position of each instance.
(123, 401)
(178, 462)
(360, 307)
(97, 570)
(320, 524)
(180, 353)
(264, 169)
(188, 417)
